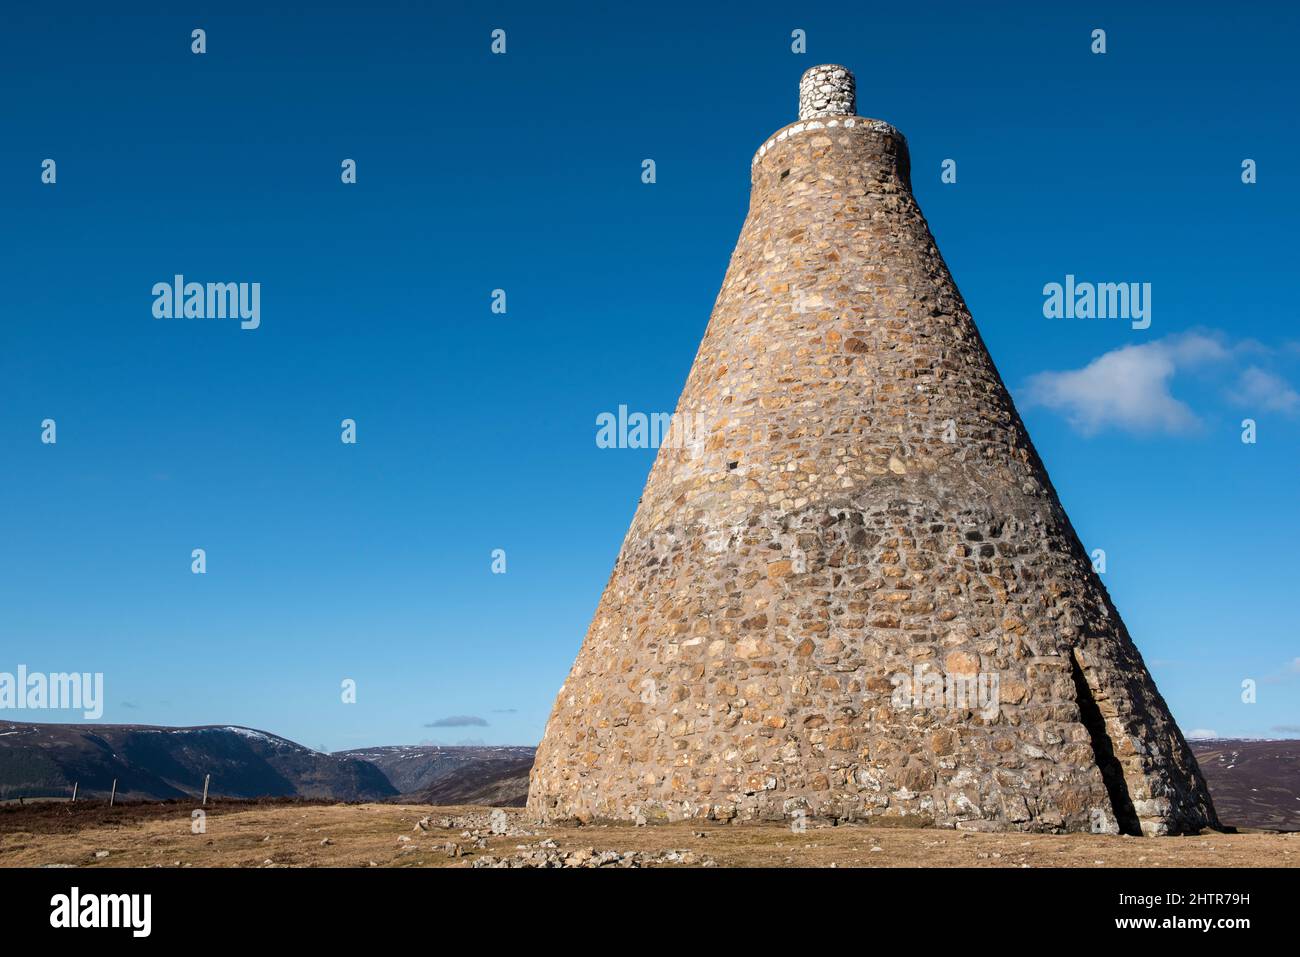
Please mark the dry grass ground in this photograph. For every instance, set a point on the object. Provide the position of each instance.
(364, 835)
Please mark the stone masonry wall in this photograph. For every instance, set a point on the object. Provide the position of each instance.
(863, 502)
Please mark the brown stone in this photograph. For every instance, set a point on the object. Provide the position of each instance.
(863, 499)
(777, 570)
(962, 663)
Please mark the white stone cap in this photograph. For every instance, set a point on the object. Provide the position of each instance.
(827, 90)
(827, 101)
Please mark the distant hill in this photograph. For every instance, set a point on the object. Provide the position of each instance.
(428, 774)
(1253, 783)
(151, 763)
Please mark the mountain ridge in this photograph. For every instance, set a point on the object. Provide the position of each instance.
(152, 762)
(1255, 780)
(160, 762)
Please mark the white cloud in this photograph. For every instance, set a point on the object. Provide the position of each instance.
(1201, 734)
(1267, 391)
(1127, 388)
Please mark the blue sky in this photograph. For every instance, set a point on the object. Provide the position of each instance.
(476, 430)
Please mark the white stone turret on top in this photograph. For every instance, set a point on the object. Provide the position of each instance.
(827, 90)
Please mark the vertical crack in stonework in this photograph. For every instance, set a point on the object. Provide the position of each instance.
(858, 518)
(1103, 750)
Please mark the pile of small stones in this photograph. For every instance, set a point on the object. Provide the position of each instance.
(547, 854)
(475, 825)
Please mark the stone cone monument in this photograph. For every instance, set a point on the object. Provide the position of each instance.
(849, 591)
